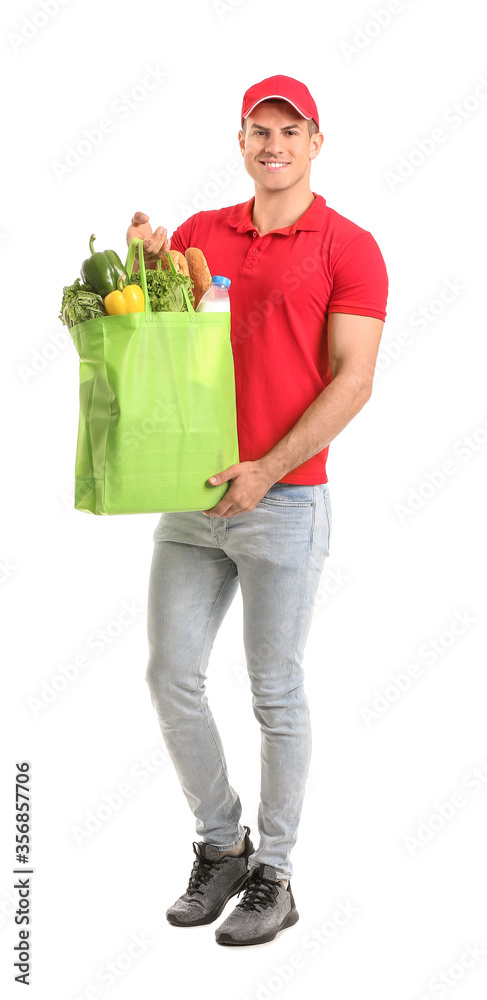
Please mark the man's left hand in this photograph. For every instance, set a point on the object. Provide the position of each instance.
(250, 482)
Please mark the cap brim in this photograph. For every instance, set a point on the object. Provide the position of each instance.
(278, 97)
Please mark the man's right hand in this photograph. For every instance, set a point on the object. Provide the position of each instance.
(156, 244)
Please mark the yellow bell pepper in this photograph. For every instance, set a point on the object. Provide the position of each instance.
(124, 300)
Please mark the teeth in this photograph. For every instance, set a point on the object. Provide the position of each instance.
(273, 164)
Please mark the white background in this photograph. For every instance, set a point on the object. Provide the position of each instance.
(409, 562)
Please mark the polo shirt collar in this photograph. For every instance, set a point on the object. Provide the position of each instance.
(312, 219)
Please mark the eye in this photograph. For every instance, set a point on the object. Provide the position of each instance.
(290, 132)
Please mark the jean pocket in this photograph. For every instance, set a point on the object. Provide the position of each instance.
(289, 495)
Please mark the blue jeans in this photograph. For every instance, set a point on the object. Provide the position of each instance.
(276, 552)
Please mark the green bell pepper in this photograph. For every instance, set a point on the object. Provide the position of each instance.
(102, 270)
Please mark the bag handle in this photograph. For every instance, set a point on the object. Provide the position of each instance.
(129, 263)
(143, 278)
(186, 296)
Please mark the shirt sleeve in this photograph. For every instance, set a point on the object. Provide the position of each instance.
(182, 237)
(360, 280)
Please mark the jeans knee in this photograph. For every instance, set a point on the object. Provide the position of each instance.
(151, 676)
(159, 683)
(282, 711)
(172, 693)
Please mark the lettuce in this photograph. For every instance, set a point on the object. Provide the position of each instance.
(80, 302)
(166, 290)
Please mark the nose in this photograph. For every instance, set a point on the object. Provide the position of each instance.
(274, 145)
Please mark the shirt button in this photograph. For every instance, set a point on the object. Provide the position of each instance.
(254, 234)
(255, 250)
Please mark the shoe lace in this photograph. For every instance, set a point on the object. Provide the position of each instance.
(201, 872)
(259, 893)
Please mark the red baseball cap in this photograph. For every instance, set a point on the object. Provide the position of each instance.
(286, 89)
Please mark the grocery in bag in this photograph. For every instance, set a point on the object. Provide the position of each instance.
(157, 408)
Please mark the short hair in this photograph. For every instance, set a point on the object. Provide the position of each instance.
(312, 126)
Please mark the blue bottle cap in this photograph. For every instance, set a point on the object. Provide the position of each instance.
(218, 279)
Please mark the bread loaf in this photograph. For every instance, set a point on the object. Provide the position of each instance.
(179, 261)
(199, 273)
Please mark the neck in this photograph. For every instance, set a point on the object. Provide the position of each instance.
(278, 209)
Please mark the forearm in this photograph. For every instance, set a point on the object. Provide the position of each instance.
(327, 415)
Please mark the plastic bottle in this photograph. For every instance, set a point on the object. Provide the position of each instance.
(216, 299)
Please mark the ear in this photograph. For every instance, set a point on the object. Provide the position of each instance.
(317, 140)
(241, 140)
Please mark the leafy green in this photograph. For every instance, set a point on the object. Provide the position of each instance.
(80, 302)
(166, 290)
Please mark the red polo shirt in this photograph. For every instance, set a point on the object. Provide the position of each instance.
(284, 284)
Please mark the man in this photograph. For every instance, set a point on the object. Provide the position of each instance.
(308, 303)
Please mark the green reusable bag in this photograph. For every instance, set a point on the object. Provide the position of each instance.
(157, 411)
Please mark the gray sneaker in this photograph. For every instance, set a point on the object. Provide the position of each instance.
(213, 881)
(267, 907)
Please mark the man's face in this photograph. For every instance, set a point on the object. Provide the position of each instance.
(277, 134)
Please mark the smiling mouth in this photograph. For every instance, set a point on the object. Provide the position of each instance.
(274, 164)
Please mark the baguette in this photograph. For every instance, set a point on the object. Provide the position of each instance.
(199, 273)
(179, 261)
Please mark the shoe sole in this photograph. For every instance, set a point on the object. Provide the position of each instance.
(292, 918)
(210, 917)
